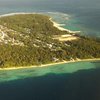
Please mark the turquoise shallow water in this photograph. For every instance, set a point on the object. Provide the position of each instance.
(9, 75)
(66, 20)
(73, 81)
(76, 23)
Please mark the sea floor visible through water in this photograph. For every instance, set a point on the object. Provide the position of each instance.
(73, 81)
(15, 74)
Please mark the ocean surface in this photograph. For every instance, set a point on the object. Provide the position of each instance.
(74, 81)
(83, 15)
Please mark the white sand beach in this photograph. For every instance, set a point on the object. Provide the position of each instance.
(51, 64)
(55, 24)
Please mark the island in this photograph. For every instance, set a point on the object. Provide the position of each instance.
(35, 39)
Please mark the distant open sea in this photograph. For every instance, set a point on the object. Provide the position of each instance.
(76, 15)
(74, 81)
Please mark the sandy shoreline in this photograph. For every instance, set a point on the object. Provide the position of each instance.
(51, 64)
(59, 26)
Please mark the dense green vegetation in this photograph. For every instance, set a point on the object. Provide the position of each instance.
(33, 23)
(35, 32)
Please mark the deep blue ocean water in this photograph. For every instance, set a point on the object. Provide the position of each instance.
(75, 81)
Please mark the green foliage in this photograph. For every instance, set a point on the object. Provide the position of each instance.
(36, 33)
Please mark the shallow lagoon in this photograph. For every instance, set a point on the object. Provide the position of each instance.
(8, 75)
(73, 81)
